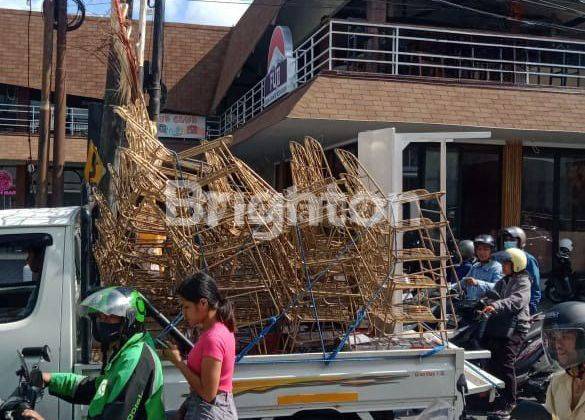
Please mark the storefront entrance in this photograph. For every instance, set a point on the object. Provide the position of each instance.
(473, 183)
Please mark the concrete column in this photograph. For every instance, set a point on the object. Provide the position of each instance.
(380, 152)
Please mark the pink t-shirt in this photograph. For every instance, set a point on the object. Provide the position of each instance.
(219, 343)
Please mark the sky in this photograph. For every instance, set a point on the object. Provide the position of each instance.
(205, 12)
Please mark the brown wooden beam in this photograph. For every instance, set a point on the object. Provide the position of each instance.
(512, 183)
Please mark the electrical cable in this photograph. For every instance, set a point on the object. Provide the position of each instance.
(29, 174)
(548, 4)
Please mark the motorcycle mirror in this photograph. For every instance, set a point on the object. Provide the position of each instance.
(528, 410)
(43, 352)
(46, 353)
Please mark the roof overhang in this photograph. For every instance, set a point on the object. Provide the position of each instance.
(335, 109)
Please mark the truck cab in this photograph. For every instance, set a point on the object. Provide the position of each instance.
(40, 286)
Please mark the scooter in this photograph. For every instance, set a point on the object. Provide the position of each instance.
(532, 367)
(564, 285)
(25, 396)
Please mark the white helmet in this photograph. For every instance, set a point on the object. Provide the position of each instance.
(567, 244)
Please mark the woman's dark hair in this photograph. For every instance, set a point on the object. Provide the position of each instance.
(202, 286)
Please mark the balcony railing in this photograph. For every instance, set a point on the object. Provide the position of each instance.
(403, 50)
(26, 119)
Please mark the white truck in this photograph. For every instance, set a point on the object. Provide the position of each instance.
(43, 276)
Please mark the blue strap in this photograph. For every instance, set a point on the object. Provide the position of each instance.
(359, 318)
(273, 320)
(309, 287)
(433, 351)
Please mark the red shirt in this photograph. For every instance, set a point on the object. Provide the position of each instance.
(220, 344)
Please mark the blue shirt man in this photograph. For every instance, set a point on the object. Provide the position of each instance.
(485, 276)
(485, 272)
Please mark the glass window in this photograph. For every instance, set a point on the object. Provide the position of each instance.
(572, 206)
(537, 206)
(72, 186)
(21, 265)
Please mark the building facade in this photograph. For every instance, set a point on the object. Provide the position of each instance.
(425, 66)
(186, 105)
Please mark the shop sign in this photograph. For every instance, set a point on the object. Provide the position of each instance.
(282, 72)
(181, 126)
(7, 187)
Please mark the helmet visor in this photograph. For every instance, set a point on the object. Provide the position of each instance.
(564, 347)
(108, 301)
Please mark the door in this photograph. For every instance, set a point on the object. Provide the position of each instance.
(473, 183)
(31, 280)
(480, 190)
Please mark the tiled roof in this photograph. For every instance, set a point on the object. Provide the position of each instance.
(191, 66)
(362, 99)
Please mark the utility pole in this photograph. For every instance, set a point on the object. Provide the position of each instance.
(60, 107)
(112, 126)
(141, 41)
(157, 55)
(45, 114)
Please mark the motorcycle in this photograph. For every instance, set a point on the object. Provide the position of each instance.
(532, 367)
(25, 396)
(564, 285)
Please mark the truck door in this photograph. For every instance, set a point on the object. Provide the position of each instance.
(31, 281)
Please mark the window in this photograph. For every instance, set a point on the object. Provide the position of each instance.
(21, 265)
(572, 205)
(553, 193)
(537, 206)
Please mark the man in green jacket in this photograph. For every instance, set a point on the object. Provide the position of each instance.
(131, 383)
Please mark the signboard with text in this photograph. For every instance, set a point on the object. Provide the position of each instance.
(181, 126)
(281, 77)
(7, 187)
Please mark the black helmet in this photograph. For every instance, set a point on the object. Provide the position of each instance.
(467, 249)
(517, 233)
(484, 240)
(563, 334)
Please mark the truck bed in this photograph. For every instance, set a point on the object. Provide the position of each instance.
(355, 382)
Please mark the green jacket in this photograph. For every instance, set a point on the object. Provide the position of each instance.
(131, 386)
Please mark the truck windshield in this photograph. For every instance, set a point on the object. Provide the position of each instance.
(21, 266)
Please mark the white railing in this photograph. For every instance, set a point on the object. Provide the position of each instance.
(25, 119)
(404, 50)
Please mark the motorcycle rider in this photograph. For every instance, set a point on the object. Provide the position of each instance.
(512, 308)
(563, 336)
(131, 382)
(485, 272)
(515, 237)
(467, 250)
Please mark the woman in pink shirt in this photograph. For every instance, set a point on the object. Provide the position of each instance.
(209, 368)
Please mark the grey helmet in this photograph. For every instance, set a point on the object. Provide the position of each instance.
(467, 249)
(517, 233)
